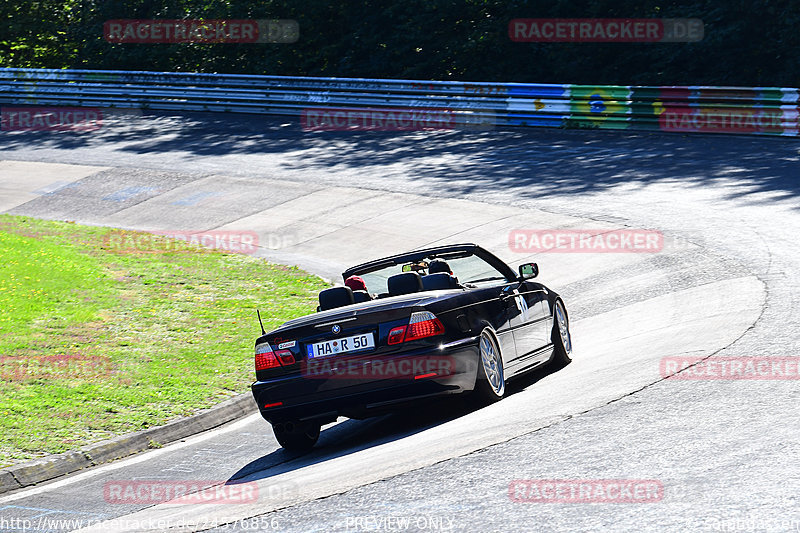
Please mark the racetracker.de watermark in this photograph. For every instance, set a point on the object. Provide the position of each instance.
(591, 30)
(216, 31)
(585, 491)
(730, 368)
(51, 118)
(151, 492)
(378, 368)
(243, 242)
(377, 119)
(47, 522)
(65, 366)
(721, 120)
(585, 241)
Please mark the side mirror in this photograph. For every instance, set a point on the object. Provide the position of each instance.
(528, 271)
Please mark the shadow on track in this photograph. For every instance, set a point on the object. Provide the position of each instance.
(351, 436)
(537, 162)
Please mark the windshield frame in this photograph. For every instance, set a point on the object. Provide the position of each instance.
(444, 252)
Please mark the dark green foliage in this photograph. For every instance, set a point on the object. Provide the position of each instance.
(746, 43)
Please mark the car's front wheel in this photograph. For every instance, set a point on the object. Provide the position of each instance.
(296, 436)
(562, 340)
(491, 384)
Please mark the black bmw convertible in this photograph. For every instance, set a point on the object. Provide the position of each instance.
(444, 320)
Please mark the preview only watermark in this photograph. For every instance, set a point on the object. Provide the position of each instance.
(210, 31)
(755, 523)
(730, 368)
(585, 491)
(590, 30)
(244, 242)
(585, 241)
(51, 118)
(419, 522)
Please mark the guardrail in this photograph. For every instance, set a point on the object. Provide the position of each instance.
(750, 110)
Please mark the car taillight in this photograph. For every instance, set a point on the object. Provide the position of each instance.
(396, 335)
(265, 357)
(285, 356)
(423, 324)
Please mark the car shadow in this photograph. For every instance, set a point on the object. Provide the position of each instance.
(351, 436)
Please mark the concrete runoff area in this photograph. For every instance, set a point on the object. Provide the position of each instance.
(721, 286)
(23, 181)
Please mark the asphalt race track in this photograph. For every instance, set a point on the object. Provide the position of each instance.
(724, 285)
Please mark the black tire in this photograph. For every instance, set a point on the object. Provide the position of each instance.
(561, 337)
(296, 436)
(490, 383)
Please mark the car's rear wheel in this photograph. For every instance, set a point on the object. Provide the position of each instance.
(296, 436)
(562, 340)
(490, 384)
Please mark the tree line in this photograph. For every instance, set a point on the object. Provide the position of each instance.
(749, 43)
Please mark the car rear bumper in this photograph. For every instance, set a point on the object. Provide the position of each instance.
(338, 391)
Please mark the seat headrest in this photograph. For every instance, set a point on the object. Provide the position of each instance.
(442, 280)
(335, 297)
(404, 283)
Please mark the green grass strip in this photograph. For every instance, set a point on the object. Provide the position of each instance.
(98, 340)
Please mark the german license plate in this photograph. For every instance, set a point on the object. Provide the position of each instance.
(343, 345)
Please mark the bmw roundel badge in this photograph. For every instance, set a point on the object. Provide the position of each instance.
(336, 328)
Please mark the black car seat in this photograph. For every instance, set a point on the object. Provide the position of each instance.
(361, 296)
(439, 281)
(404, 283)
(335, 297)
